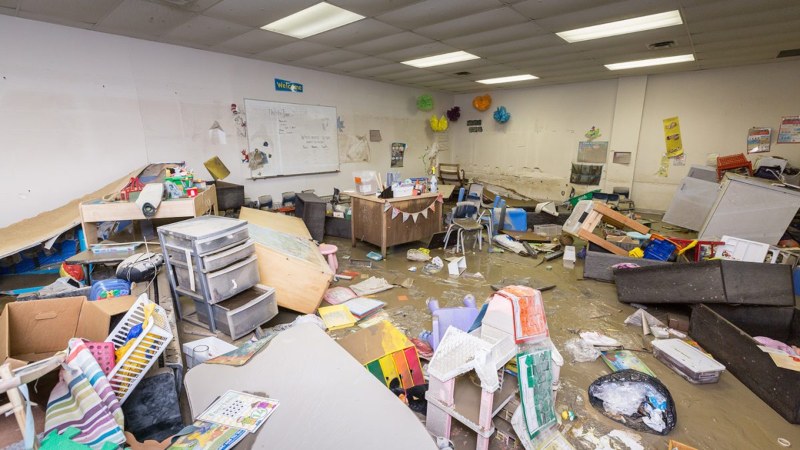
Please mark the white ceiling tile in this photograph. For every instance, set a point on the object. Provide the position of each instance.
(722, 8)
(433, 11)
(539, 9)
(744, 21)
(771, 31)
(377, 71)
(355, 33)
(52, 19)
(256, 13)
(527, 55)
(535, 42)
(255, 41)
(495, 36)
(474, 23)
(294, 51)
(389, 43)
(205, 31)
(86, 11)
(359, 64)
(329, 58)
(143, 19)
(371, 8)
(189, 5)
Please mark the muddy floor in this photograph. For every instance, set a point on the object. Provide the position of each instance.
(725, 415)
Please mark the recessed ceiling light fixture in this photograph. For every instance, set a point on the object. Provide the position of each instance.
(651, 22)
(313, 20)
(510, 79)
(650, 62)
(438, 60)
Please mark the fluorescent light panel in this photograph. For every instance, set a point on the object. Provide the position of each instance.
(313, 20)
(650, 62)
(439, 60)
(651, 22)
(510, 79)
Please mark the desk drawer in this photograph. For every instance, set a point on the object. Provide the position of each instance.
(222, 284)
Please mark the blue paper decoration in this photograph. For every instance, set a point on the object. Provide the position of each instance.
(501, 115)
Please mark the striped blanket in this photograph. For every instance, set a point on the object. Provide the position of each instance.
(83, 399)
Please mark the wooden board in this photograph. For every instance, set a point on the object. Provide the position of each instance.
(30, 232)
(275, 221)
(526, 236)
(287, 260)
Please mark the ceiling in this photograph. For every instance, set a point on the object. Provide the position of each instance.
(510, 36)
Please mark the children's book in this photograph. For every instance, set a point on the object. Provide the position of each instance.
(209, 436)
(239, 410)
(625, 359)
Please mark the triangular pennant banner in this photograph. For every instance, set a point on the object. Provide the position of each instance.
(405, 216)
(395, 212)
(440, 199)
(424, 213)
(432, 207)
(386, 206)
(414, 216)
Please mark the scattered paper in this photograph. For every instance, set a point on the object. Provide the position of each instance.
(336, 317)
(371, 285)
(599, 340)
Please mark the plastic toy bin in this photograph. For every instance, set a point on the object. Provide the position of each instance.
(222, 284)
(145, 350)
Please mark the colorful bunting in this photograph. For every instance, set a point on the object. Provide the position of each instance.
(414, 216)
(386, 206)
(395, 212)
(424, 213)
(406, 216)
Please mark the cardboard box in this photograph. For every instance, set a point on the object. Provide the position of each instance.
(37, 329)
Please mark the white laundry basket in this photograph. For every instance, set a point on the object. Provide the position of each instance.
(144, 352)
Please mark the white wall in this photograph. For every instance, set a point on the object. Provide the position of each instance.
(716, 108)
(82, 108)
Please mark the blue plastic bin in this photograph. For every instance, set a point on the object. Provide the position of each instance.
(659, 249)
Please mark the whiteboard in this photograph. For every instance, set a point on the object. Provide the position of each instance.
(296, 139)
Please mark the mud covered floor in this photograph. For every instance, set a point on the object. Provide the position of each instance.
(726, 415)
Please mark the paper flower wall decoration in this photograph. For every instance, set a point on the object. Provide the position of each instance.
(482, 102)
(454, 113)
(501, 115)
(425, 102)
(592, 134)
(439, 124)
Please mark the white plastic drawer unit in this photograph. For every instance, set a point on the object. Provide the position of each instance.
(242, 313)
(579, 214)
(205, 234)
(222, 284)
(217, 260)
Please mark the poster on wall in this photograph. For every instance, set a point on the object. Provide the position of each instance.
(789, 131)
(353, 148)
(587, 174)
(398, 153)
(758, 140)
(592, 151)
(672, 137)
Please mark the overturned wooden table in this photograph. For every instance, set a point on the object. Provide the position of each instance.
(372, 219)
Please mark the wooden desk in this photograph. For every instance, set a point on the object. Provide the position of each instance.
(372, 224)
(95, 211)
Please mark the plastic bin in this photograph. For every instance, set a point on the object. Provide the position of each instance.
(687, 361)
(144, 352)
(222, 284)
(549, 230)
(209, 234)
(218, 260)
(659, 249)
(242, 313)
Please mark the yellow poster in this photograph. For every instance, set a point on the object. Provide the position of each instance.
(672, 137)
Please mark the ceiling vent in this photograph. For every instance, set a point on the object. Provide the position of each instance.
(789, 53)
(662, 44)
(462, 74)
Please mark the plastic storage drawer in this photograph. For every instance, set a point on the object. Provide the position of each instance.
(222, 284)
(687, 361)
(549, 230)
(242, 313)
(205, 234)
(218, 260)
